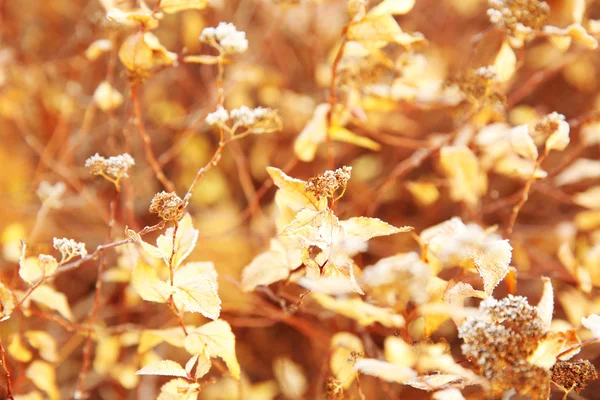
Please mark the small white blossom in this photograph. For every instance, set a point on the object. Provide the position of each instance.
(226, 37)
(220, 116)
(69, 248)
(113, 167)
(243, 115)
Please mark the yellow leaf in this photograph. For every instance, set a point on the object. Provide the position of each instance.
(143, 16)
(44, 343)
(185, 241)
(173, 6)
(590, 198)
(18, 350)
(164, 368)
(198, 295)
(582, 168)
(363, 228)
(125, 374)
(424, 193)
(32, 270)
(149, 287)
(142, 51)
(293, 193)
(47, 296)
(559, 139)
(313, 134)
(467, 181)
(107, 354)
(29, 396)
(271, 266)
(364, 313)
(43, 376)
(345, 351)
(107, 98)
(97, 48)
(290, 377)
(505, 63)
(394, 7)
(398, 352)
(574, 31)
(219, 339)
(522, 142)
(341, 134)
(554, 343)
(152, 337)
(455, 244)
(179, 389)
(7, 301)
(545, 307)
(385, 370)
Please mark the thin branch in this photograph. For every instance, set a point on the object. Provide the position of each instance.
(6, 372)
(160, 175)
(333, 97)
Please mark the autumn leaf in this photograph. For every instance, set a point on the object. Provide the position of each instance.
(43, 376)
(467, 181)
(220, 341)
(364, 313)
(47, 296)
(343, 346)
(290, 377)
(164, 368)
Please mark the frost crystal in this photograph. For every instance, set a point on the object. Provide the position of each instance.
(113, 168)
(220, 116)
(69, 248)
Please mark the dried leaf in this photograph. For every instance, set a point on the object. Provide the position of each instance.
(545, 307)
(164, 368)
(179, 389)
(219, 339)
(467, 181)
(18, 350)
(579, 170)
(47, 296)
(290, 377)
(522, 142)
(43, 376)
(386, 371)
(394, 7)
(173, 6)
(364, 313)
(107, 98)
(505, 63)
(44, 343)
(590, 198)
(345, 348)
(342, 134)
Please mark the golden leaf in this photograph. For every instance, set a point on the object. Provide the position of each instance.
(125, 374)
(107, 98)
(179, 389)
(44, 343)
(292, 192)
(424, 193)
(163, 367)
(107, 354)
(142, 51)
(18, 350)
(505, 63)
(32, 270)
(580, 169)
(385, 370)
(153, 337)
(364, 313)
(394, 7)
(43, 376)
(173, 6)
(290, 377)
(197, 295)
(7, 302)
(522, 142)
(589, 198)
(342, 134)
(467, 181)
(47, 296)
(97, 48)
(220, 341)
(344, 350)
(149, 287)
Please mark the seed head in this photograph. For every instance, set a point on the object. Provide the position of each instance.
(326, 184)
(573, 375)
(226, 38)
(112, 168)
(69, 248)
(167, 206)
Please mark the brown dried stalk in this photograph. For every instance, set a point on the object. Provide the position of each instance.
(87, 350)
(6, 372)
(160, 175)
(333, 97)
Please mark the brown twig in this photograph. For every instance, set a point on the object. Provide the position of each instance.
(6, 372)
(517, 208)
(333, 97)
(87, 350)
(160, 175)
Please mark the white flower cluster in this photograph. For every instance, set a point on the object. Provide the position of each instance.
(225, 37)
(221, 116)
(69, 248)
(113, 167)
(258, 120)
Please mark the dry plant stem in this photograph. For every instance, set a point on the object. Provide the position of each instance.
(6, 372)
(87, 350)
(333, 98)
(160, 175)
(517, 208)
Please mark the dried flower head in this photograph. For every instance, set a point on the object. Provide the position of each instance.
(225, 38)
(218, 117)
(555, 129)
(326, 184)
(518, 17)
(478, 84)
(112, 168)
(167, 206)
(50, 194)
(499, 342)
(334, 389)
(573, 375)
(69, 248)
